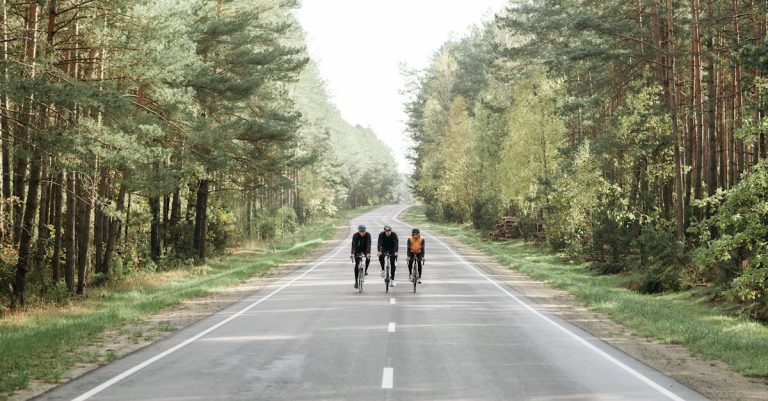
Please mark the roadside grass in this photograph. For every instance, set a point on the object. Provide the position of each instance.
(684, 318)
(43, 343)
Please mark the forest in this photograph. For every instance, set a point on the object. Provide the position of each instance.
(628, 134)
(153, 134)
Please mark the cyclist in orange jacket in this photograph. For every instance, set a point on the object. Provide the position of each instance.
(415, 252)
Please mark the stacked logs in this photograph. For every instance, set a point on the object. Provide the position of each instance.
(507, 228)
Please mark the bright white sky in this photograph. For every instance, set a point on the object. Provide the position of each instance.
(360, 45)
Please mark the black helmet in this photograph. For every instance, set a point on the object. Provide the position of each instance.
(415, 231)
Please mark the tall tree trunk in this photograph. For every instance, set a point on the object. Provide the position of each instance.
(5, 137)
(697, 100)
(672, 98)
(201, 218)
(25, 237)
(173, 223)
(189, 216)
(5, 215)
(164, 230)
(42, 221)
(154, 208)
(249, 215)
(723, 130)
(57, 225)
(83, 231)
(19, 176)
(711, 105)
(114, 226)
(20, 169)
(69, 225)
(99, 217)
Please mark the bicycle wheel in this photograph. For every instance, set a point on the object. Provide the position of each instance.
(360, 278)
(415, 274)
(386, 276)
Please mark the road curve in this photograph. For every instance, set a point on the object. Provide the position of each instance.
(311, 336)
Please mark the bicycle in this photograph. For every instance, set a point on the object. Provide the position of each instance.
(360, 272)
(386, 271)
(415, 271)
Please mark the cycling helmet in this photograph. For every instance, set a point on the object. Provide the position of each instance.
(415, 231)
(361, 227)
(387, 227)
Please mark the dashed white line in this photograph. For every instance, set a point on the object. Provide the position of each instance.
(391, 328)
(392, 301)
(388, 378)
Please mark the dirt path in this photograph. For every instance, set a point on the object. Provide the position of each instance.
(711, 378)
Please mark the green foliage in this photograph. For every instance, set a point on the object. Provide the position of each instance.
(221, 229)
(660, 266)
(574, 205)
(275, 223)
(351, 168)
(737, 254)
(486, 210)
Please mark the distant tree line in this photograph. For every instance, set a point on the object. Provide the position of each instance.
(627, 133)
(152, 133)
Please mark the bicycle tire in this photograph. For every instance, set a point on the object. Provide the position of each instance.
(360, 276)
(386, 273)
(415, 273)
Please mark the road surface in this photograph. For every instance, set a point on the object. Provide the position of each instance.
(312, 336)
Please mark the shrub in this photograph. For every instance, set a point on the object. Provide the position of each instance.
(660, 265)
(486, 210)
(736, 253)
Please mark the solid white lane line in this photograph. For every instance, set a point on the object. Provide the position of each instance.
(169, 351)
(388, 378)
(600, 352)
(392, 301)
(391, 328)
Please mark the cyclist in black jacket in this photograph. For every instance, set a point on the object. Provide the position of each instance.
(361, 244)
(388, 242)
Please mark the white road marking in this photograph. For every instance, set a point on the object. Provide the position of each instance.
(169, 351)
(388, 378)
(391, 328)
(600, 352)
(392, 301)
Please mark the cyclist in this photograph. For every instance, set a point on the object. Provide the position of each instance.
(361, 244)
(388, 242)
(415, 249)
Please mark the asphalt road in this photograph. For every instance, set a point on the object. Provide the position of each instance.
(312, 336)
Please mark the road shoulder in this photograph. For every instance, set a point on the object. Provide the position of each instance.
(130, 337)
(710, 378)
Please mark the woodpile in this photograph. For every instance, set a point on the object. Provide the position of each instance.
(507, 228)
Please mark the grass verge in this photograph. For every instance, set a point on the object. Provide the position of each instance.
(42, 344)
(677, 318)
